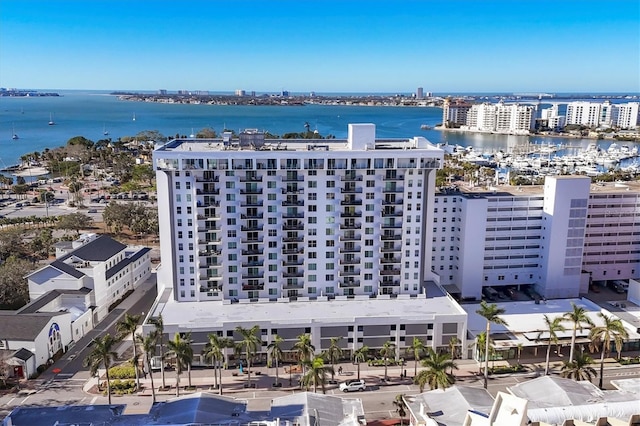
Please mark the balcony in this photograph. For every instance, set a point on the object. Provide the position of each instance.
(394, 283)
(208, 179)
(350, 273)
(354, 261)
(252, 263)
(349, 283)
(293, 203)
(391, 237)
(252, 216)
(292, 191)
(293, 239)
(251, 252)
(249, 287)
(391, 225)
(351, 178)
(355, 249)
(390, 260)
(253, 240)
(392, 213)
(350, 226)
(252, 203)
(296, 274)
(253, 275)
(298, 226)
(210, 241)
(397, 189)
(209, 289)
(210, 227)
(351, 202)
(252, 228)
(287, 250)
(210, 277)
(255, 191)
(391, 248)
(292, 262)
(394, 271)
(346, 190)
(211, 203)
(293, 286)
(393, 177)
(293, 178)
(351, 214)
(395, 202)
(251, 179)
(208, 191)
(292, 215)
(210, 252)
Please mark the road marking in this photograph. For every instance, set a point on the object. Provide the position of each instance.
(93, 400)
(10, 401)
(25, 400)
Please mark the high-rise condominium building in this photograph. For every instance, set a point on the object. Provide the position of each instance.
(454, 113)
(501, 117)
(319, 237)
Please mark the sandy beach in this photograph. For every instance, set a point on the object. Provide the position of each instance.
(31, 171)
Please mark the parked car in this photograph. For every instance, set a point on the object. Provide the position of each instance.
(353, 385)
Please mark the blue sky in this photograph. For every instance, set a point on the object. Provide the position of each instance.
(322, 46)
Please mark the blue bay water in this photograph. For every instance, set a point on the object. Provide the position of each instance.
(89, 113)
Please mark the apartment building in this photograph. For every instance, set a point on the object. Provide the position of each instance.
(501, 118)
(628, 115)
(554, 237)
(604, 114)
(454, 112)
(324, 237)
(552, 117)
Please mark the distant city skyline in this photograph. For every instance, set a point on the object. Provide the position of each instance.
(322, 46)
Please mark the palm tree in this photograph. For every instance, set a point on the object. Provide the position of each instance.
(333, 354)
(250, 343)
(492, 314)
(304, 349)
(214, 351)
(416, 349)
(276, 352)
(580, 368)
(317, 373)
(578, 316)
(603, 334)
(401, 407)
(127, 327)
(360, 355)
(435, 374)
(159, 335)
(102, 353)
(181, 348)
(453, 346)
(519, 347)
(553, 327)
(148, 344)
(387, 351)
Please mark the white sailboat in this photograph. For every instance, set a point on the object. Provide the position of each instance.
(14, 135)
(104, 130)
(51, 122)
(134, 116)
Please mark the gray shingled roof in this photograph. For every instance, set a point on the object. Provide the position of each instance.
(37, 304)
(24, 327)
(23, 354)
(98, 250)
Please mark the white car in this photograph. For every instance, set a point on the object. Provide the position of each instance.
(353, 385)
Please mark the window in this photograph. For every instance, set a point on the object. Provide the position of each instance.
(312, 184)
(331, 184)
(177, 185)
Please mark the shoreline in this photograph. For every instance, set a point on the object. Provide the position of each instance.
(529, 135)
(30, 172)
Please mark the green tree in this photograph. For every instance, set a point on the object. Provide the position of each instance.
(553, 326)
(454, 342)
(102, 354)
(181, 349)
(387, 351)
(401, 407)
(126, 327)
(305, 350)
(74, 222)
(275, 351)
(250, 343)
(333, 354)
(491, 313)
(148, 346)
(435, 372)
(579, 317)
(316, 373)
(417, 349)
(360, 356)
(214, 351)
(14, 290)
(158, 333)
(580, 368)
(601, 336)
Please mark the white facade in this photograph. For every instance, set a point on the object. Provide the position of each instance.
(501, 118)
(552, 116)
(628, 115)
(454, 113)
(550, 238)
